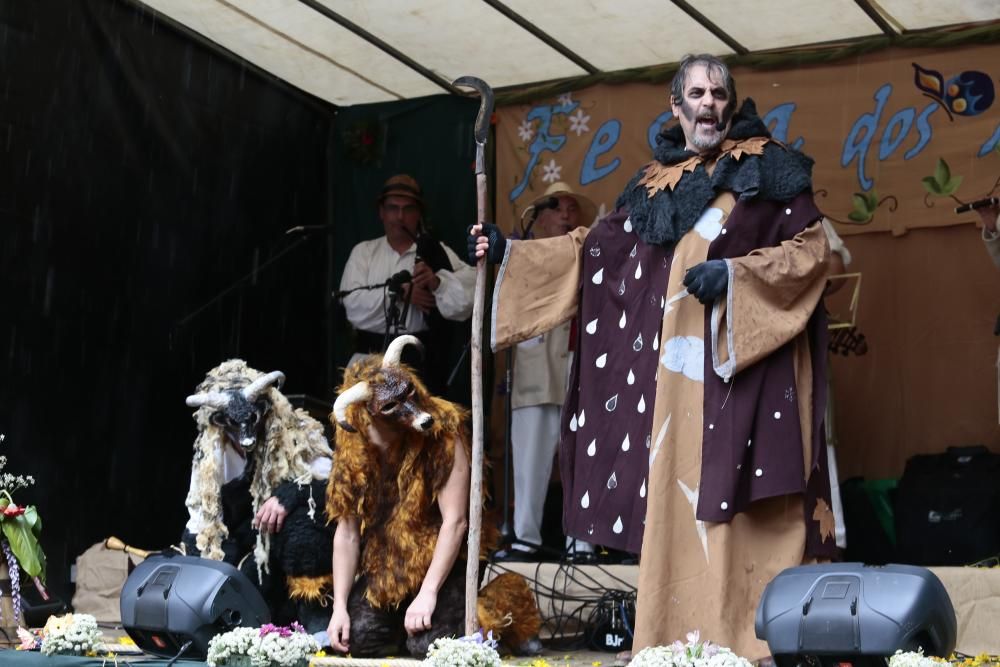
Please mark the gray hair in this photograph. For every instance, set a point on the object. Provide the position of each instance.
(714, 66)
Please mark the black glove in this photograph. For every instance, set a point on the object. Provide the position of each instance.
(497, 244)
(708, 280)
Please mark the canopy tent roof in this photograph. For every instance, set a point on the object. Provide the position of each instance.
(357, 51)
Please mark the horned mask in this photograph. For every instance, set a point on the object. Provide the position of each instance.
(240, 413)
(390, 393)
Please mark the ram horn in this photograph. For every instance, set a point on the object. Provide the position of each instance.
(213, 399)
(251, 391)
(395, 351)
(359, 392)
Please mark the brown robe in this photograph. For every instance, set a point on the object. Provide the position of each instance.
(678, 380)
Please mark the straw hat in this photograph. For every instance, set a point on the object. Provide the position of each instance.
(402, 185)
(588, 209)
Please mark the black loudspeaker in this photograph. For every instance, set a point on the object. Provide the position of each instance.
(851, 615)
(172, 601)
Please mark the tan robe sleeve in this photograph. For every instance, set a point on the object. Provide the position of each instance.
(771, 296)
(536, 287)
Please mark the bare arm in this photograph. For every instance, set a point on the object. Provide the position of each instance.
(346, 552)
(453, 501)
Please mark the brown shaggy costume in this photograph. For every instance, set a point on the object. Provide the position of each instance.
(394, 495)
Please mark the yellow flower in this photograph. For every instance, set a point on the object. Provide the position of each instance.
(127, 641)
(596, 663)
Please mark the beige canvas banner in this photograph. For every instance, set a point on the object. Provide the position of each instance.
(899, 137)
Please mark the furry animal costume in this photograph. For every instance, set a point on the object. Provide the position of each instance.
(290, 462)
(393, 492)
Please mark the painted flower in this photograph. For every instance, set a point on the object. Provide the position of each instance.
(578, 122)
(552, 172)
(525, 130)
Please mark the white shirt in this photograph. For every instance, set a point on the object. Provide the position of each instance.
(992, 241)
(373, 262)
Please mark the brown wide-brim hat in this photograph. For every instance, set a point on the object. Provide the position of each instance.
(588, 209)
(402, 185)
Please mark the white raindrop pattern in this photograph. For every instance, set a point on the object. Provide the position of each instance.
(629, 281)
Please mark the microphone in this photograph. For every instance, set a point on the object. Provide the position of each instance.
(397, 280)
(551, 202)
(988, 202)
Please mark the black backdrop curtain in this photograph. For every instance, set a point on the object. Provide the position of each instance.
(142, 172)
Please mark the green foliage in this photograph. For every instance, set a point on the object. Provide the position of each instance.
(864, 205)
(942, 183)
(22, 533)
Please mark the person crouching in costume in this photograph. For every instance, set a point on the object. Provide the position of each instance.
(399, 493)
(257, 485)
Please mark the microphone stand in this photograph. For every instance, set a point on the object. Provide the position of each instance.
(249, 276)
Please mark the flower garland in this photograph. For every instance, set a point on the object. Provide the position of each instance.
(69, 634)
(694, 653)
(471, 651)
(267, 646)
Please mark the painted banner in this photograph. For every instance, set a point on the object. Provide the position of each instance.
(900, 137)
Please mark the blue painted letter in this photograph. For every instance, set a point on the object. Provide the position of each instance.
(604, 140)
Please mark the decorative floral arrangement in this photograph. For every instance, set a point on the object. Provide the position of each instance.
(694, 653)
(21, 527)
(471, 651)
(69, 634)
(915, 659)
(364, 141)
(267, 646)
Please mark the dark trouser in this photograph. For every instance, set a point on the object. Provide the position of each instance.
(378, 633)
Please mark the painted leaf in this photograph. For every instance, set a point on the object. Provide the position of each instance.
(24, 545)
(942, 173)
(859, 217)
(871, 200)
(931, 185)
(952, 185)
(928, 80)
(860, 204)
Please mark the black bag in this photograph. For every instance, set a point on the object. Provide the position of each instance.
(948, 507)
(867, 539)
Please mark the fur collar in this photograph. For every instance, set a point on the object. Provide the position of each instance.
(667, 196)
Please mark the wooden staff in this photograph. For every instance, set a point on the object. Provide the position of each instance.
(476, 482)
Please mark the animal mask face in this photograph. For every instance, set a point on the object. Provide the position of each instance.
(242, 421)
(395, 398)
(240, 413)
(390, 393)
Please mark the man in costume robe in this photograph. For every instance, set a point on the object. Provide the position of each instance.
(692, 429)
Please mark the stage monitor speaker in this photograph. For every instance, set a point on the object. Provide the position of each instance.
(172, 601)
(852, 615)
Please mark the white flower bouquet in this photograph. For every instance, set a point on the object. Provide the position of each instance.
(267, 646)
(914, 659)
(70, 634)
(694, 653)
(472, 651)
